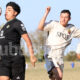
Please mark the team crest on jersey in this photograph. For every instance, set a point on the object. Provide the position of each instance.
(23, 28)
(69, 31)
(7, 26)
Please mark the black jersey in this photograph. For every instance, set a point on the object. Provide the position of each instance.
(11, 33)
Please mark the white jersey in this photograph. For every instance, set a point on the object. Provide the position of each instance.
(59, 36)
(58, 39)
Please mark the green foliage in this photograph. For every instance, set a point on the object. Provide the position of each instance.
(71, 56)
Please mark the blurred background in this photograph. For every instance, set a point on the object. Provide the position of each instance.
(31, 13)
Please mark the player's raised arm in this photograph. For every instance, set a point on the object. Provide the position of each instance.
(41, 24)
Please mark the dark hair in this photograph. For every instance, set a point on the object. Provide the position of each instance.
(15, 6)
(66, 11)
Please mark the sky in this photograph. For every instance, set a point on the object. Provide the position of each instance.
(33, 10)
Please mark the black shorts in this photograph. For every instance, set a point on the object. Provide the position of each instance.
(13, 67)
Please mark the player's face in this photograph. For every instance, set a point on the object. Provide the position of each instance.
(64, 19)
(10, 13)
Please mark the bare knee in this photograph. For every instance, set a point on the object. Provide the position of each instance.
(4, 78)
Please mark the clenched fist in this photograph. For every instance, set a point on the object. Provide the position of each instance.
(33, 60)
(48, 9)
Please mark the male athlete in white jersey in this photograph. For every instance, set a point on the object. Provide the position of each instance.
(60, 36)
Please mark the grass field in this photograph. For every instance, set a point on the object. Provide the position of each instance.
(39, 72)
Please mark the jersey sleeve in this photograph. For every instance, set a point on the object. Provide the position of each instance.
(76, 33)
(48, 26)
(19, 26)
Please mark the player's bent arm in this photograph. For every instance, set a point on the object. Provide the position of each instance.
(29, 45)
(28, 42)
(41, 24)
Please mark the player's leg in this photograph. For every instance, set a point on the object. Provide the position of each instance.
(55, 75)
(49, 67)
(51, 75)
(59, 65)
(58, 74)
(58, 71)
(18, 68)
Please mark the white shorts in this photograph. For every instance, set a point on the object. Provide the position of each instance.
(54, 58)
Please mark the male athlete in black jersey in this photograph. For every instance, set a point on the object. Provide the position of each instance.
(12, 62)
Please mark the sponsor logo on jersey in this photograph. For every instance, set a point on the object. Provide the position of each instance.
(63, 35)
(23, 28)
(2, 34)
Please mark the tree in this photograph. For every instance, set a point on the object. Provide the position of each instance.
(38, 39)
(71, 56)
